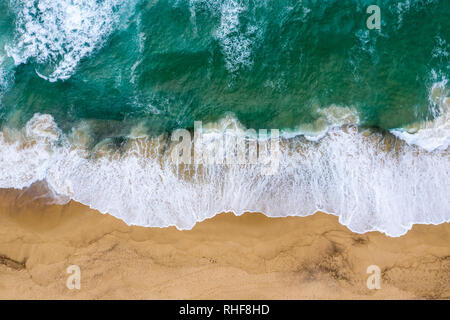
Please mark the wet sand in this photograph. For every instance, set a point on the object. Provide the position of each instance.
(226, 257)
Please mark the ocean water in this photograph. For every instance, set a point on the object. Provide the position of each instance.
(91, 92)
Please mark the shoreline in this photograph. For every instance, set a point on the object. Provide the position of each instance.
(226, 257)
(346, 172)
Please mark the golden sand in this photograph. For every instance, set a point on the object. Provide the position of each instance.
(227, 257)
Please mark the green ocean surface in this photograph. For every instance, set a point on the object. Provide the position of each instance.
(272, 64)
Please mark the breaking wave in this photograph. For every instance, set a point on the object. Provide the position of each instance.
(372, 181)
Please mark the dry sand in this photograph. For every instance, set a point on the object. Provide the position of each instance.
(227, 257)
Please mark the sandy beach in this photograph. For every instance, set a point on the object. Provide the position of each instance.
(227, 257)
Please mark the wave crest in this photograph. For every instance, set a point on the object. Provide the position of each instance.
(59, 33)
(433, 134)
(372, 181)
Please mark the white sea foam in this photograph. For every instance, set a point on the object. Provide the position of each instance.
(6, 75)
(62, 32)
(26, 155)
(237, 44)
(352, 174)
(329, 118)
(433, 134)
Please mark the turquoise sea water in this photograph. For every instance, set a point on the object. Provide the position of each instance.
(272, 63)
(111, 68)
